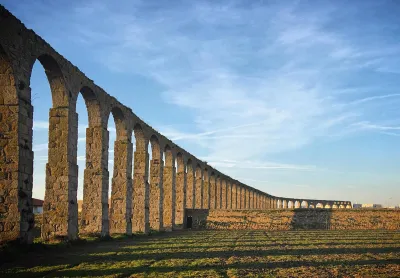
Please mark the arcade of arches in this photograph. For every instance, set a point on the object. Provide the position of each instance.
(146, 194)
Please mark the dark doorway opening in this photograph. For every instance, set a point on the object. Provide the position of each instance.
(189, 222)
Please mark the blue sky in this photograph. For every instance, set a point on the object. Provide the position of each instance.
(295, 98)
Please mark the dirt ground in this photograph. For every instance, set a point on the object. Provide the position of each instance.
(216, 254)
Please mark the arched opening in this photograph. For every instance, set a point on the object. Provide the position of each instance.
(319, 205)
(348, 206)
(155, 184)
(341, 206)
(56, 149)
(290, 204)
(284, 204)
(334, 206)
(297, 204)
(327, 206)
(190, 185)
(311, 206)
(304, 204)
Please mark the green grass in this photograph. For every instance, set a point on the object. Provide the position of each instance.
(217, 254)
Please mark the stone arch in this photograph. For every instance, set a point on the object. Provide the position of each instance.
(199, 187)
(348, 206)
(156, 185)
(334, 206)
(284, 204)
(16, 151)
(140, 217)
(169, 189)
(319, 205)
(304, 204)
(190, 189)
(327, 206)
(180, 200)
(341, 206)
(290, 204)
(60, 218)
(55, 76)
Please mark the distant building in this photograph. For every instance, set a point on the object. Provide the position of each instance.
(37, 206)
(356, 206)
(371, 206)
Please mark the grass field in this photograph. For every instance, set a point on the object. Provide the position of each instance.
(219, 254)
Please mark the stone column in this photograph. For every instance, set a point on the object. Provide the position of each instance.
(169, 191)
(213, 192)
(228, 195)
(206, 190)
(60, 208)
(234, 196)
(223, 193)
(140, 217)
(94, 218)
(242, 197)
(190, 197)
(16, 160)
(219, 195)
(156, 189)
(248, 199)
(180, 188)
(121, 190)
(199, 188)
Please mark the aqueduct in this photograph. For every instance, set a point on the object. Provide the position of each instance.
(145, 194)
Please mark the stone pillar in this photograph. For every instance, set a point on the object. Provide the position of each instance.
(219, 195)
(248, 199)
(94, 218)
(140, 217)
(206, 190)
(234, 196)
(16, 160)
(213, 192)
(228, 195)
(190, 181)
(60, 208)
(121, 190)
(199, 188)
(242, 197)
(223, 193)
(169, 191)
(180, 188)
(156, 188)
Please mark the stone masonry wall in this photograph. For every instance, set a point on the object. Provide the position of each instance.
(296, 219)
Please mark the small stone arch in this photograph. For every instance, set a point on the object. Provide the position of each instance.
(334, 206)
(319, 205)
(327, 206)
(304, 204)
